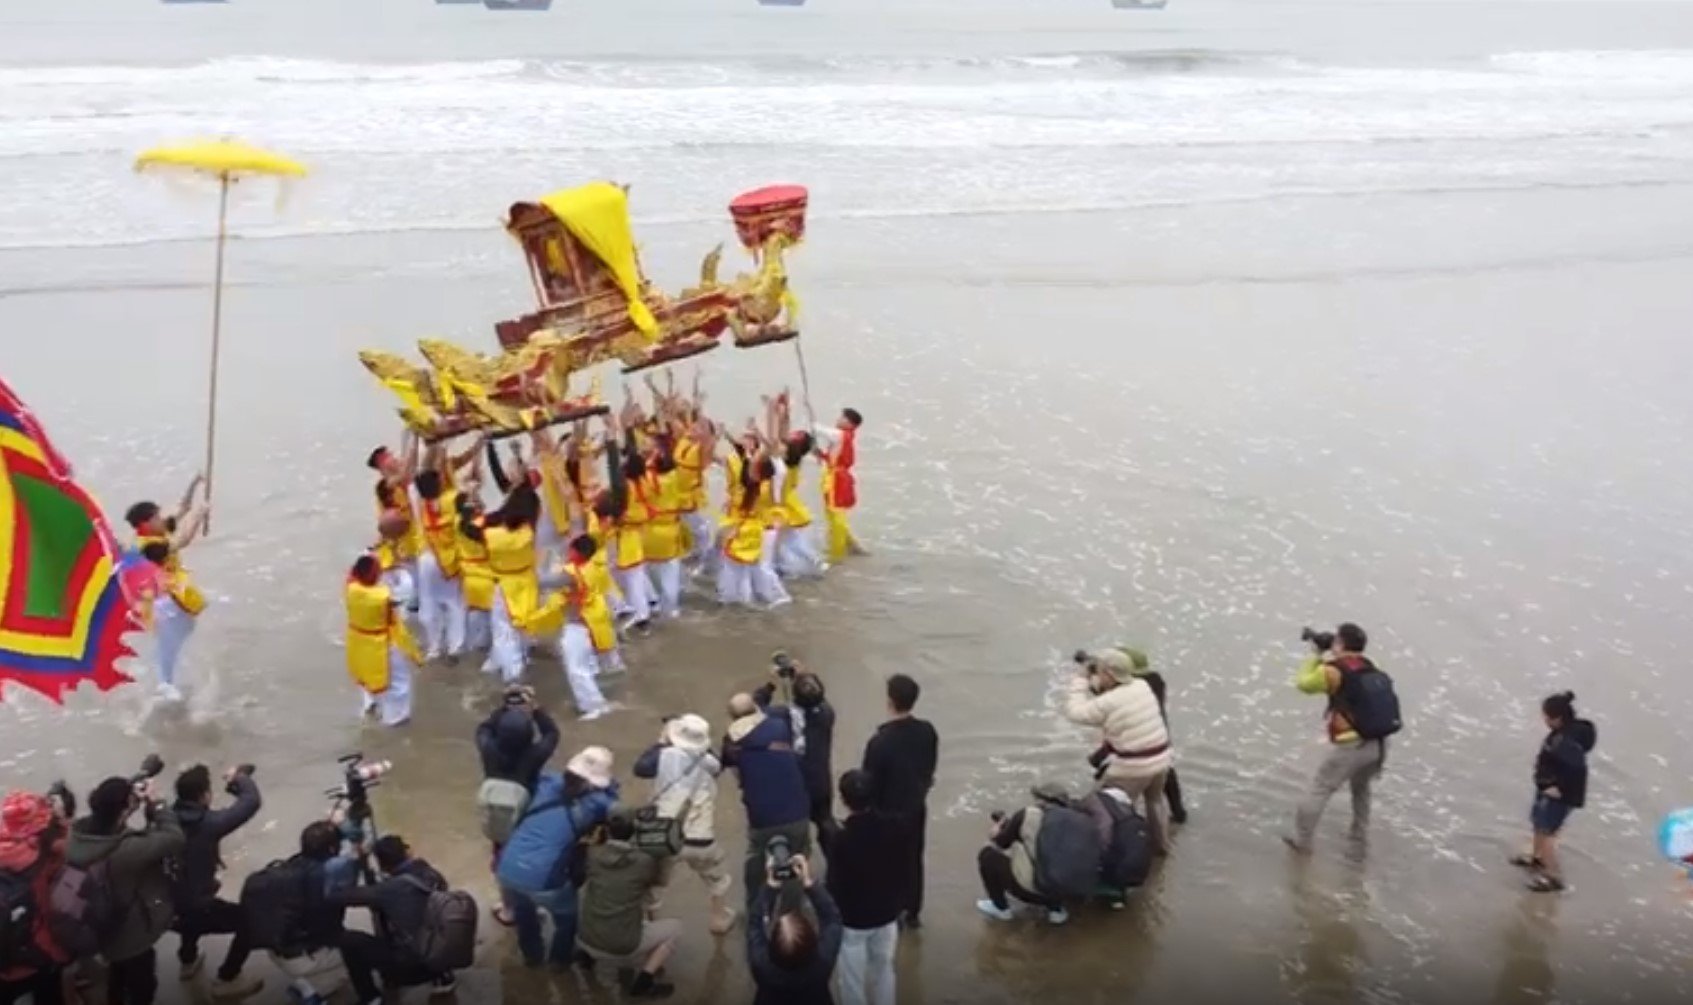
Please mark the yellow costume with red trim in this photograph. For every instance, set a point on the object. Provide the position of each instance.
(373, 626)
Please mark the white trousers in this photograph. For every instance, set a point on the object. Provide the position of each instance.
(401, 583)
(441, 611)
(171, 627)
(703, 554)
(581, 665)
(796, 553)
(637, 589)
(865, 966)
(507, 652)
(734, 582)
(478, 630)
(395, 703)
(767, 587)
(669, 576)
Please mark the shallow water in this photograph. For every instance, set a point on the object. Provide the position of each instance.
(1187, 328)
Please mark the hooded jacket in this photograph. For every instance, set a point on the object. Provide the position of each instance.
(203, 832)
(761, 748)
(614, 899)
(685, 786)
(1562, 762)
(515, 744)
(19, 854)
(135, 870)
(1130, 722)
(808, 985)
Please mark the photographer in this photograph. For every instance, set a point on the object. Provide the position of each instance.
(760, 747)
(534, 867)
(814, 722)
(1010, 864)
(135, 878)
(684, 773)
(199, 911)
(32, 852)
(791, 951)
(614, 926)
(1362, 712)
(1134, 752)
(400, 901)
(516, 741)
(288, 910)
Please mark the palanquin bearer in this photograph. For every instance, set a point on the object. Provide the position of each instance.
(663, 539)
(840, 487)
(624, 513)
(589, 639)
(796, 550)
(175, 603)
(440, 592)
(510, 536)
(393, 496)
(476, 575)
(381, 653)
(693, 457)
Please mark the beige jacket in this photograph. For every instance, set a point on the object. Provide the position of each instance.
(1128, 719)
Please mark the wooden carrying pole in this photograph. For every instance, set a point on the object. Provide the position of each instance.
(217, 325)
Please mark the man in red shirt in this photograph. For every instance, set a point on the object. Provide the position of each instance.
(840, 487)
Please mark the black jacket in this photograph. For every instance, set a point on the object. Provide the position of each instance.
(900, 759)
(511, 749)
(868, 890)
(817, 763)
(400, 903)
(1562, 762)
(197, 881)
(808, 985)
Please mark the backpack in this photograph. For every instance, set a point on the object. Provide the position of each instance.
(500, 803)
(20, 917)
(447, 939)
(82, 909)
(1127, 859)
(273, 903)
(1067, 853)
(1367, 699)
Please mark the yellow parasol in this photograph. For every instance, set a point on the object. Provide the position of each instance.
(228, 161)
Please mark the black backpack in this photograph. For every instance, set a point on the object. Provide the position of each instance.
(82, 909)
(20, 917)
(1367, 699)
(1067, 853)
(1127, 860)
(273, 903)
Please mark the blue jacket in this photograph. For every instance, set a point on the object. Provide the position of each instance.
(761, 749)
(537, 858)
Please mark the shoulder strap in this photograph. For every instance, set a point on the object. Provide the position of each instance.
(689, 770)
(418, 884)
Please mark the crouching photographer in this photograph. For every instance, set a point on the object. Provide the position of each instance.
(1044, 855)
(614, 927)
(424, 930)
(794, 933)
(199, 910)
(287, 909)
(125, 869)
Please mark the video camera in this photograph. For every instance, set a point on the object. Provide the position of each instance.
(781, 857)
(358, 777)
(1321, 641)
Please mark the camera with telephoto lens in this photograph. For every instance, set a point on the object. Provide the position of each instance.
(151, 767)
(784, 664)
(782, 866)
(1321, 641)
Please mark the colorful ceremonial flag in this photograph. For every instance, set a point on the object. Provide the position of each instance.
(63, 610)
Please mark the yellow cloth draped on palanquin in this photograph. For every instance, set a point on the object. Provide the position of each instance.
(597, 215)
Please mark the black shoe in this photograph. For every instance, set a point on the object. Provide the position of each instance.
(583, 960)
(445, 984)
(645, 985)
(910, 922)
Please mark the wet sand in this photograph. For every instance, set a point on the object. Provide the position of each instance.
(1454, 418)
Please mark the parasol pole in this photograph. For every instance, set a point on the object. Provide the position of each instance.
(217, 325)
(804, 384)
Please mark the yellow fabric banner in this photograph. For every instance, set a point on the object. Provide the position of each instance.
(597, 215)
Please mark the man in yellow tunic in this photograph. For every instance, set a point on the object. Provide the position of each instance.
(381, 653)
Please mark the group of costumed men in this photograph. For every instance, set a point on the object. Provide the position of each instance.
(592, 541)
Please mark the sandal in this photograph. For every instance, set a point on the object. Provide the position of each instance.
(502, 917)
(1526, 862)
(1546, 884)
